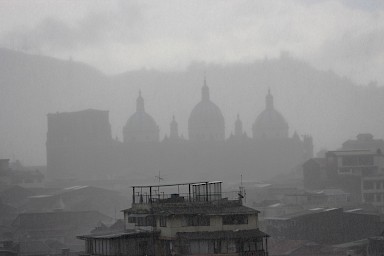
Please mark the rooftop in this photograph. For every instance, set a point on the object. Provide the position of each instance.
(351, 152)
(182, 193)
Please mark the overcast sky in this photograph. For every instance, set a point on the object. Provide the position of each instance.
(115, 36)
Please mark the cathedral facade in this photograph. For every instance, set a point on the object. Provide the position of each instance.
(80, 145)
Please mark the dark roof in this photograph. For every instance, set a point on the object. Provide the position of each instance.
(126, 234)
(75, 198)
(224, 234)
(118, 225)
(34, 248)
(285, 247)
(352, 244)
(303, 213)
(58, 220)
(266, 203)
(356, 152)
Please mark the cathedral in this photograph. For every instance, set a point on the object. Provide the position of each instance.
(80, 145)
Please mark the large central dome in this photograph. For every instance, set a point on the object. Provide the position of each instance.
(270, 123)
(206, 122)
(140, 126)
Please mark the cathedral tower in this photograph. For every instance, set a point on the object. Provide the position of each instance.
(174, 131)
(238, 127)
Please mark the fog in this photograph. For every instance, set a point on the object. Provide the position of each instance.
(117, 36)
(181, 127)
(165, 49)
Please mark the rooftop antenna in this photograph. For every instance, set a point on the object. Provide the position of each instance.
(159, 178)
(242, 193)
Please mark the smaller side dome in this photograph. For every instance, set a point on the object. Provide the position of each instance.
(141, 127)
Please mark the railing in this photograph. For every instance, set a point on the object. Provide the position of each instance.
(143, 198)
(254, 253)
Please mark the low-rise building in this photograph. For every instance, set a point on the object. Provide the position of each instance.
(183, 219)
(364, 141)
(60, 226)
(325, 225)
(343, 169)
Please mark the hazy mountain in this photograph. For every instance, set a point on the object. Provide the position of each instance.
(320, 103)
(32, 86)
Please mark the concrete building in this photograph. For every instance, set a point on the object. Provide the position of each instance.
(364, 141)
(183, 219)
(343, 169)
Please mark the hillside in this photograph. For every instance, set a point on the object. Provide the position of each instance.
(329, 107)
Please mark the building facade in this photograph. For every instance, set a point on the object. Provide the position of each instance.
(358, 172)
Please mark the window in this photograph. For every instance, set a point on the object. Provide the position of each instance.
(198, 220)
(350, 161)
(140, 221)
(366, 160)
(368, 184)
(235, 219)
(143, 221)
(357, 160)
(368, 198)
(163, 221)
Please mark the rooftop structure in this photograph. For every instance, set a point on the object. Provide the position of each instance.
(184, 219)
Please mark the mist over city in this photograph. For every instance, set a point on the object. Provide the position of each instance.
(191, 127)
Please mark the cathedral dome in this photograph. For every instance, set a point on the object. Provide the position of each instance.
(206, 122)
(140, 126)
(270, 123)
